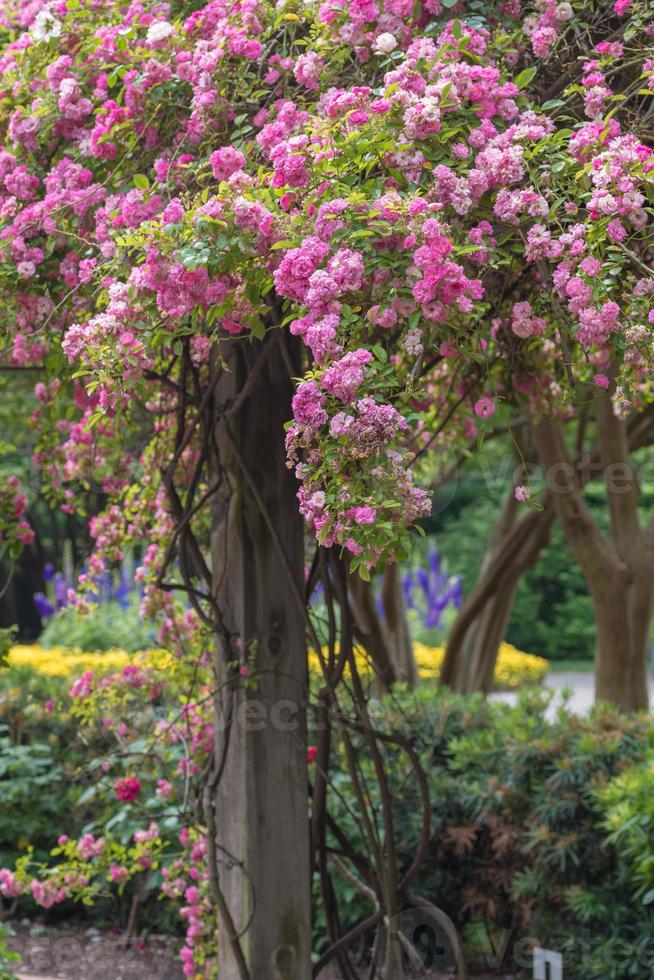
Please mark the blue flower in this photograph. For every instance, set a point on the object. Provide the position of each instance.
(43, 606)
(431, 591)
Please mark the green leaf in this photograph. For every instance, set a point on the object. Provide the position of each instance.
(141, 181)
(7, 638)
(526, 76)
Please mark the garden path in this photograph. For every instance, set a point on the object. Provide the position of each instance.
(581, 683)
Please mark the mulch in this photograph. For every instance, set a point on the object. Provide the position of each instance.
(56, 953)
(334, 974)
(87, 954)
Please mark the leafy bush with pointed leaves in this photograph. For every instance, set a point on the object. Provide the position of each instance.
(539, 826)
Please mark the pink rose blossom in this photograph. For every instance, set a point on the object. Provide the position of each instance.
(484, 407)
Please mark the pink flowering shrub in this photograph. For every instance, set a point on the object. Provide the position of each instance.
(375, 214)
(153, 717)
(15, 529)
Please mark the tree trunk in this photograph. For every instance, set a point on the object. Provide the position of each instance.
(623, 610)
(370, 631)
(475, 665)
(387, 639)
(260, 798)
(396, 624)
(480, 627)
(623, 601)
(619, 572)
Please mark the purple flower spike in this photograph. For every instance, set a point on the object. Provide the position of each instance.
(43, 607)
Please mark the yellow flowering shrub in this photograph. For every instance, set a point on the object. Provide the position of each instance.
(361, 657)
(513, 669)
(68, 661)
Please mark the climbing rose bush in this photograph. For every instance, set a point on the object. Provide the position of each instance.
(445, 207)
(15, 529)
(170, 180)
(151, 717)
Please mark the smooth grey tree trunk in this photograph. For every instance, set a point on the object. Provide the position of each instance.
(261, 797)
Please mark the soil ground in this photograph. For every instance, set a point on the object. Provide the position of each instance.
(79, 954)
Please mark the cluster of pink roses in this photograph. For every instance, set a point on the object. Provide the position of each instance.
(15, 529)
(187, 878)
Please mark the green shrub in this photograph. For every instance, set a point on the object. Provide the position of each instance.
(628, 804)
(8, 958)
(521, 843)
(49, 769)
(59, 760)
(107, 625)
(41, 759)
(32, 788)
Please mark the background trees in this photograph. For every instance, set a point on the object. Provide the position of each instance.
(516, 545)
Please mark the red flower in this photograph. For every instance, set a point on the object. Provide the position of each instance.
(127, 789)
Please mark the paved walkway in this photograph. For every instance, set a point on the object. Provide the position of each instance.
(582, 685)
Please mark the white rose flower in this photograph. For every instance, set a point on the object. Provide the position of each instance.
(385, 43)
(158, 31)
(431, 110)
(45, 26)
(564, 12)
